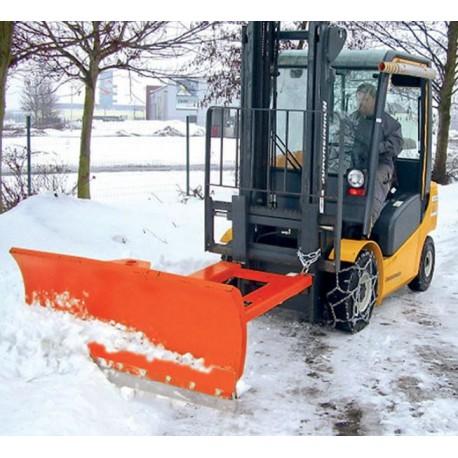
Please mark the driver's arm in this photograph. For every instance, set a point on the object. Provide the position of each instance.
(392, 142)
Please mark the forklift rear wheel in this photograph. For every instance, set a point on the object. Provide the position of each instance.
(352, 300)
(426, 271)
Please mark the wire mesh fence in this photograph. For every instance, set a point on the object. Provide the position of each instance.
(122, 168)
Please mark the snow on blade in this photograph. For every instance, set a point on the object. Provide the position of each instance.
(116, 337)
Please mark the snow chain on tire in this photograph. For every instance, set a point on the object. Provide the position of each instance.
(344, 294)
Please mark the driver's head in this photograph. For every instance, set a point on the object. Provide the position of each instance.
(365, 96)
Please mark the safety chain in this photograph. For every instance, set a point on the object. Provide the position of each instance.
(342, 292)
(307, 259)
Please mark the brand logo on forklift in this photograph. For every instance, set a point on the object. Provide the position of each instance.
(323, 153)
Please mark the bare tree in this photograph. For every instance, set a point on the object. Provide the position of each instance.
(40, 99)
(6, 38)
(219, 58)
(448, 88)
(83, 50)
(15, 47)
(436, 41)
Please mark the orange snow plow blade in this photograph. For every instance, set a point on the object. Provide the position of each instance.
(199, 320)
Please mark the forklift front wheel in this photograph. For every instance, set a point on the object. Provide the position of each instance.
(353, 297)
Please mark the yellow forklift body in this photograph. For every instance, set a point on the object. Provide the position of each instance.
(397, 270)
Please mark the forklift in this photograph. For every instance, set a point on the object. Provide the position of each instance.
(280, 172)
(300, 199)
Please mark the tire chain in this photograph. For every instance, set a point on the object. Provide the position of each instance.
(346, 293)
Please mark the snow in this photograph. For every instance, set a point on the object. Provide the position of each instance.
(125, 145)
(398, 376)
(115, 337)
(138, 128)
(49, 386)
(45, 364)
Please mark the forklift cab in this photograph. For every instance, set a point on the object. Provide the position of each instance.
(404, 97)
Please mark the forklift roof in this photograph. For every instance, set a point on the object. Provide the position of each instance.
(357, 59)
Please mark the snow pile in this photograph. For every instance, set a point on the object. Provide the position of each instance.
(115, 337)
(142, 128)
(169, 131)
(49, 383)
(138, 128)
(21, 131)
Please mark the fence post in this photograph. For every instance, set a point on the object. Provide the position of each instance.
(187, 155)
(29, 155)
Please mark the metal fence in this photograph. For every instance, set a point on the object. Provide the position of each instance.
(142, 169)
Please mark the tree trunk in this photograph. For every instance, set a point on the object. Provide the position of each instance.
(84, 170)
(6, 36)
(445, 102)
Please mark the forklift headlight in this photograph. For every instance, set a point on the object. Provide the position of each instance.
(355, 178)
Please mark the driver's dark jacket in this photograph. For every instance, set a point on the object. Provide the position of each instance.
(390, 144)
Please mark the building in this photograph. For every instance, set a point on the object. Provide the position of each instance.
(107, 90)
(74, 112)
(121, 95)
(117, 98)
(177, 100)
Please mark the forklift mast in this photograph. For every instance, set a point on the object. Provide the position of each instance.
(287, 201)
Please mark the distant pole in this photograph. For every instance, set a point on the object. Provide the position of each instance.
(187, 156)
(29, 155)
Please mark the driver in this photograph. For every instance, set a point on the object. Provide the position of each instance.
(389, 147)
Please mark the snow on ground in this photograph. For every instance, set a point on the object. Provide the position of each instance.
(126, 144)
(49, 385)
(398, 376)
(134, 128)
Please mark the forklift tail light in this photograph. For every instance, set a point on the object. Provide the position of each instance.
(356, 192)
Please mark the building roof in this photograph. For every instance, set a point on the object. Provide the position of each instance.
(154, 88)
